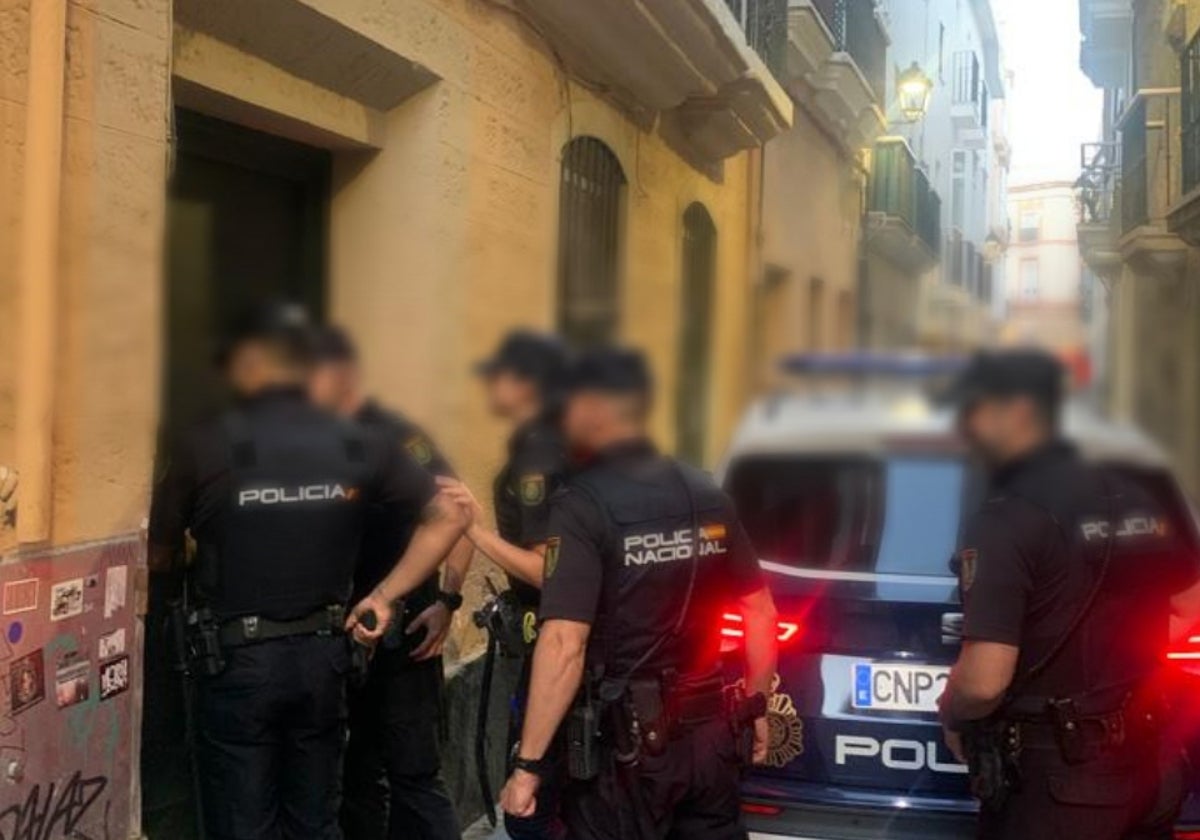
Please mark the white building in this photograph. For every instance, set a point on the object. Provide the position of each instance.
(962, 147)
(1045, 298)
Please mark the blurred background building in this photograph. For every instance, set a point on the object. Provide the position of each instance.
(1140, 212)
(717, 181)
(1044, 297)
(937, 222)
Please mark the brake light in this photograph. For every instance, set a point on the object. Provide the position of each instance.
(1188, 651)
(731, 628)
(763, 810)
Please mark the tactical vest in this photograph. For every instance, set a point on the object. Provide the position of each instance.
(292, 520)
(1106, 638)
(659, 514)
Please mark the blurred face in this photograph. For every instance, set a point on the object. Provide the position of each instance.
(251, 367)
(593, 419)
(585, 415)
(511, 396)
(998, 429)
(333, 385)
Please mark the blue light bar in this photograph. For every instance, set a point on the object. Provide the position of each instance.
(867, 363)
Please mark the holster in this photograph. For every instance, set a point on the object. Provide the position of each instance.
(742, 711)
(201, 635)
(993, 749)
(508, 621)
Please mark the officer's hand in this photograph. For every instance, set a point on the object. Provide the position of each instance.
(461, 495)
(519, 796)
(436, 621)
(373, 603)
(762, 738)
(955, 742)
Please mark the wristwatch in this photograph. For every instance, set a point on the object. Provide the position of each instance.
(452, 600)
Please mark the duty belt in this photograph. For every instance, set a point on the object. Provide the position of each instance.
(250, 629)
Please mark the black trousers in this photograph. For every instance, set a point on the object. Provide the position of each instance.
(393, 788)
(1131, 795)
(270, 732)
(688, 793)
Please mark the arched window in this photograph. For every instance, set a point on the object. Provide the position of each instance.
(695, 333)
(589, 242)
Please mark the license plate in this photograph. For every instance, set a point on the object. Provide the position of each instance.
(898, 687)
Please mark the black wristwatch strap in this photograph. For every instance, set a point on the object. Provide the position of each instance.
(452, 600)
(536, 766)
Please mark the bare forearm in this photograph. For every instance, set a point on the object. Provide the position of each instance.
(458, 563)
(557, 675)
(525, 564)
(963, 706)
(762, 642)
(430, 543)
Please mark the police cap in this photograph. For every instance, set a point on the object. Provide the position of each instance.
(284, 323)
(539, 357)
(1009, 373)
(613, 370)
(333, 344)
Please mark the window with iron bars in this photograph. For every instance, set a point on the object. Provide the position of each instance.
(589, 236)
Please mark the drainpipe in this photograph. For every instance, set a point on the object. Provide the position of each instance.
(38, 267)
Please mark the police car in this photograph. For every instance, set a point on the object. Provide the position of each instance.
(853, 499)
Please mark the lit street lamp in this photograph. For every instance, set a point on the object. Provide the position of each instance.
(913, 89)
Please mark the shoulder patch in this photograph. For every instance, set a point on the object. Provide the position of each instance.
(552, 547)
(532, 487)
(967, 560)
(420, 448)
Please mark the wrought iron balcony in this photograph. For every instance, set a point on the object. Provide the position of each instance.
(857, 30)
(1098, 189)
(1100, 169)
(1184, 218)
(837, 64)
(904, 211)
(1150, 181)
(764, 23)
(702, 65)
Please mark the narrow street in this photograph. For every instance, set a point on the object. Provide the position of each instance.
(805, 217)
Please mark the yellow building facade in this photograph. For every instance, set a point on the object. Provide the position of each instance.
(428, 173)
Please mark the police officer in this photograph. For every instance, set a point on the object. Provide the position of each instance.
(392, 783)
(275, 493)
(644, 555)
(523, 381)
(1068, 575)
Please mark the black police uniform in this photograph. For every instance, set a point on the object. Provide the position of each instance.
(392, 783)
(623, 557)
(1075, 566)
(534, 471)
(275, 493)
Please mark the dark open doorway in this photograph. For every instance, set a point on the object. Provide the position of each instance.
(246, 222)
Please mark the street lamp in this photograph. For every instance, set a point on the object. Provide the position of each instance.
(913, 89)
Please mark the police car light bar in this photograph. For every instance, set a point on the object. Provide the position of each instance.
(866, 363)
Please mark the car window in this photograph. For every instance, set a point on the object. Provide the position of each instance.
(897, 515)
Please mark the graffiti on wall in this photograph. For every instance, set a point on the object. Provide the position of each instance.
(55, 810)
(67, 664)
